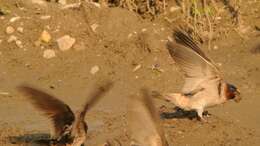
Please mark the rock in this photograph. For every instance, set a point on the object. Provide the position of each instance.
(144, 30)
(72, 6)
(45, 36)
(96, 4)
(215, 47)
(63, 2)
(9, 30)
(218, 18)
(45, 17)
(137, 67)
(219, 64)
(49, 53)
(65, 42)
(38, 2)
(173, 9)
(19, 43)
(12, 38)
(129, 35)
(94, 69)
(94, 27)
(20, 29)
(13, 19)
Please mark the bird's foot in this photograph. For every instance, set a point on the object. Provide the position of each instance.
(202, 119)
(200, 114)
(206, 114)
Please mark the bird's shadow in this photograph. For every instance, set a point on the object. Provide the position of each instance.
(179, 113)
(40, 139)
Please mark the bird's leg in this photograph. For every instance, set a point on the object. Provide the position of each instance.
(200, 115)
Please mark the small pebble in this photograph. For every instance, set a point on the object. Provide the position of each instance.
(137, 67)
(45, 17)
(38, 2)
(19, 43)
(144, 30)
(45, 36)
(49, 53)
(9, 30)
(20, 29)
(129, 35)
(215, 47)
(94, 69)
(96, 4)
(4, 93)
(94, 27)
(173, 9)
(218, 18)
(65, 42)
(13, 19)
(12, 38)
(219, 64)
(62, 2)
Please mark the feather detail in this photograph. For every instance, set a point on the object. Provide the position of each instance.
(59, 112)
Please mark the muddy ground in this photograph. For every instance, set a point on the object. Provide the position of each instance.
(121, 41)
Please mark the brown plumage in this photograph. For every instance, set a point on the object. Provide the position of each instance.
(70, 129)
(144, 122)
(204, 86)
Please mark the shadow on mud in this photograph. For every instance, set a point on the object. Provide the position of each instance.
(40, 139)
(181, 114)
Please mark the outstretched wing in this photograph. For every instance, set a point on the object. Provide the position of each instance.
(59, 112)
(144, 122)
(197, 67)
(95, 96)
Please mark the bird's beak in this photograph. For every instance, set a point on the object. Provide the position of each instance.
(238, 97)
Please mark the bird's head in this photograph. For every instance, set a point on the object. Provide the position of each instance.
(233, 93)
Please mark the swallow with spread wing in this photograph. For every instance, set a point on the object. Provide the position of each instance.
(204, 87)
(144, 122)
(70, 129)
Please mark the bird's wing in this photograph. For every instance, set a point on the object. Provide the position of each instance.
(144, 122)
(95, 96)
(59, 112)
(193, 62)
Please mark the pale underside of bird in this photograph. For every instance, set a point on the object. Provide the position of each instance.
(144, 122)
(204, 86)
(70, 129)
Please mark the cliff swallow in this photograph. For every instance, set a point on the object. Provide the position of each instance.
(70, 129)
(204, 87)
(144, 122)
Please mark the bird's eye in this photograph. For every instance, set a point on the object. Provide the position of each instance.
(232, 88)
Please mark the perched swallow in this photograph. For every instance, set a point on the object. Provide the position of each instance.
(204, 87)
(70, 129)
(144, 122)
